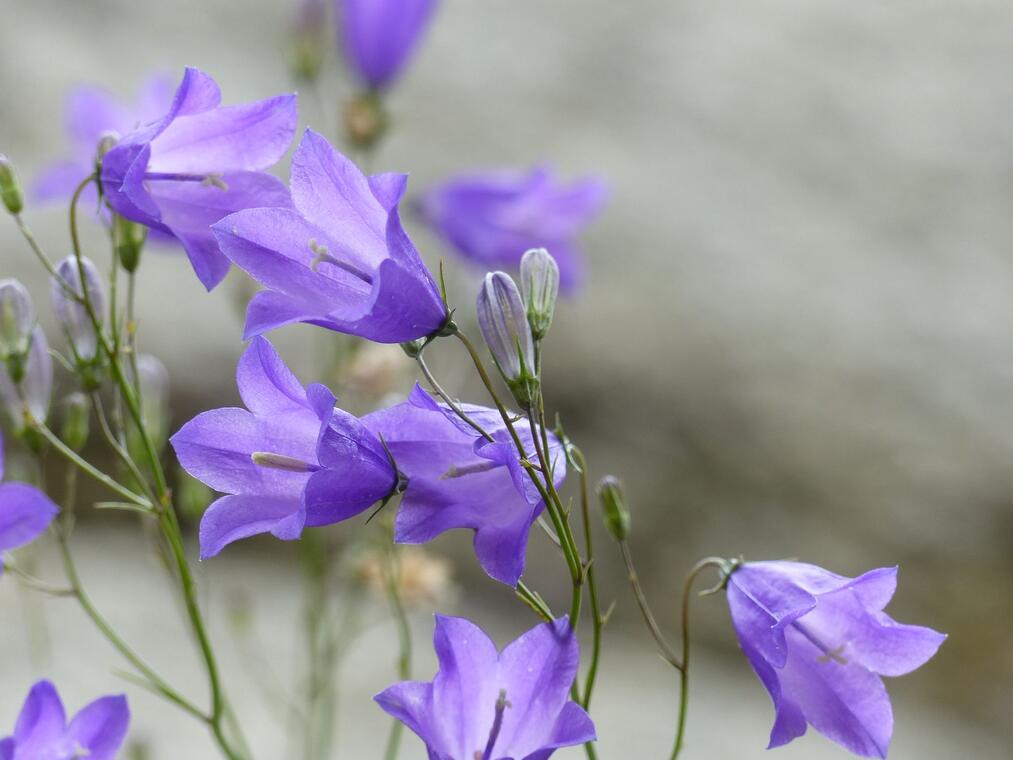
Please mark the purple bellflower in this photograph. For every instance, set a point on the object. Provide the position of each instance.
(198, 163)
(290, 460)
(340, 259)
(492, 218)
(379, 37)
(25, 512)
(490, 705)
(92, 113)
(459, 479)
(819, 642)
(42, 731)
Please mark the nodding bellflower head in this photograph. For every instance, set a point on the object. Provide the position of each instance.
(42, 731)
(290, 460)
(198, 163)
(504, 324)
(72, 314)
(25, 513)
(340, 259)
(92, 115)
(17, 319)
(379, 37)
(29, 389)
(492, 218)
(489, 705)
(819, 642)
(459, 479)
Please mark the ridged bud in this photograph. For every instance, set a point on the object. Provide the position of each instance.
(30, 394)
(504, 325)
(76, 419)
(129, 240)
(540, 288)
(70, 313)
(17, 319)
(153, 384)
(10, 188)
(613, 507)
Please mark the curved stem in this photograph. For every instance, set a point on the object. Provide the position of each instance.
(454, 406)
(664, 648)
(404, 664)
(597, 623)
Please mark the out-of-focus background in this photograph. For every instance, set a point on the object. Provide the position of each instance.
(796, 339)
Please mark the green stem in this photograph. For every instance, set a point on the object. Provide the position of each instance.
(596, 617)
(664, 648)
(404, 642)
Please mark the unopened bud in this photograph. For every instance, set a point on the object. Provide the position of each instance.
(504, 326)
(10, 188)
(76, 421)
(540, 288)
(153, 385)
(365, 120)
(17, 318)
(106, 142)
(27, 398)
(66, 291)
(309, 39)
(613, 506)
(129, 239)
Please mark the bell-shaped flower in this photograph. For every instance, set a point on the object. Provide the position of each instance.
(25, 512)
(459, 479)
(198, 163)
(819, 642)
(92, 114)
(489, 705)
(492, 218)
(71, 313)
(340, 259)
(265, 458)
(31, 392)
(379, 37)
(42, 731)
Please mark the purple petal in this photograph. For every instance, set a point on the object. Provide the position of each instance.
(380, 37)
(266, 385)
(100, 728)
(247, 137)
(42, 721)
(7, 748)
(231, 518)
(409, 702)
(197, 92)
(92, 111)
(573, 726)
(59, 181)
(25, 512)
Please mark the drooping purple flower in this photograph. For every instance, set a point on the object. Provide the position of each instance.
(290, 460)
(379, 37)
(198, 163)
(340, 259)
(25, 512)
(492, 217)
(458, 479)
(488, 705)
(42, 731)
(819, 643)
(93, 113)
(32, 389)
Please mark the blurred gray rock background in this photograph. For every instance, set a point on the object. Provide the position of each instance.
(797, 337)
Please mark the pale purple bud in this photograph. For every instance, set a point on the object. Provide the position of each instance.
(504, 324)
(30, 394)
(540, 288)
(153, 386)
(17, 318)
(71, 313)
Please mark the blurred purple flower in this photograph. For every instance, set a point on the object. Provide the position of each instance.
(42, 732)
(91, 114)
(265, 458)
(340, 260)
(488, 705)
(379, 36)
(25, 512)
(819, 643)
(198, 163)
(458, 479)
(492, 218)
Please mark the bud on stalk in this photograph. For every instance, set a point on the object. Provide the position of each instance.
(10, 188)
(29, 394)
(70, 312)
(504, 326)
(17, 318)
(613, 507)
(540, 288)
(76, 421)
(129, 240)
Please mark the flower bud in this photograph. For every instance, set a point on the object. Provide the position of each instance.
(70, 313)
(10, 188)
(76, 421)
(17, 318)
(504, 326)
(28, 397)
(613, 507)
(365, 120)
(129, 239)
(540, 287)
(152, 384)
